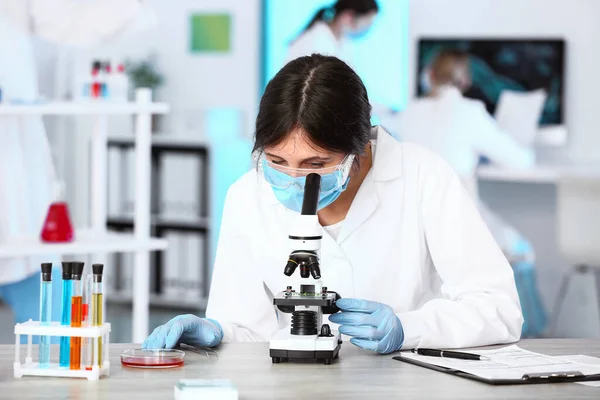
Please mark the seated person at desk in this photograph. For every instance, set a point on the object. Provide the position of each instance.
(461, 130)
(403, 242)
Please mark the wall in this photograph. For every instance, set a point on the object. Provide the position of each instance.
(532, 208)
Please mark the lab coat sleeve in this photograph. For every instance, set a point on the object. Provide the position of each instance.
(74, 22)
(238, 299)
(479, 303)
(497, 145)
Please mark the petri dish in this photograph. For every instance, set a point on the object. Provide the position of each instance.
(152, 358)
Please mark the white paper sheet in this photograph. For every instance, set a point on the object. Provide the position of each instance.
(518, 113)
(510, 362)
(584, 360)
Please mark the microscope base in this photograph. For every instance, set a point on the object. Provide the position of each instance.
(327, 357)
(287, 347)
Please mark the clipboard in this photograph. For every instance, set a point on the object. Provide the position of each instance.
(527, 379)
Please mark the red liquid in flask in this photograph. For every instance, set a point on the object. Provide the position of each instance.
(57, 226)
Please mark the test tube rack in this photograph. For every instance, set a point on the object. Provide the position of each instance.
(30, 368)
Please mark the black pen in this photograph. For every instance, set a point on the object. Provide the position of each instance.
(449, 354)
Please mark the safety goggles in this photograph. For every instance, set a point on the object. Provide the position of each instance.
(283, 177)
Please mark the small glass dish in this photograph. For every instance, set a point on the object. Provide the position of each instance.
(152, 358)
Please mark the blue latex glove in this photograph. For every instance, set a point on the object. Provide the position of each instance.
(188, 329)
(373, 326)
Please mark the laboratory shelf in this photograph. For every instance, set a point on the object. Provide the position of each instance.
(163, 222)
(83, 108)
(164, 141)
(185, 224)
(86, 242)
(533, 175)
(97, 241)
(160, 301)
(540, 174)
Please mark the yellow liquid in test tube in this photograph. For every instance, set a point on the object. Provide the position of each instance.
(97, 321)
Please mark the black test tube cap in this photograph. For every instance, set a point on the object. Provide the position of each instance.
(97, 271)
(77, 270)
(67, 270)
(47, 272)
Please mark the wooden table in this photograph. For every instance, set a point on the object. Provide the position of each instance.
(356, 375)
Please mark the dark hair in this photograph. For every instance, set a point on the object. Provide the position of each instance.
(358, 7)
(321, 95)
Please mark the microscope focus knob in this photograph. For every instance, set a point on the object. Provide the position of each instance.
(325, 331)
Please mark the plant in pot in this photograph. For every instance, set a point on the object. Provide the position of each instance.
(145, 74)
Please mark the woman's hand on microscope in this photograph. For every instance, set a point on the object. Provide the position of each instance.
(373, 326)
(188, 329)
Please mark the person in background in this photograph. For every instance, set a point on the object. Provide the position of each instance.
(331, 31)
(331, 28)
(402, 242)
(27, 175)
(461, 131)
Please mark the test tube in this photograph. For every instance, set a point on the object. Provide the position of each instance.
(76, 314)
(87, 344)
(65, 341)
(97, 318)
(45, 313)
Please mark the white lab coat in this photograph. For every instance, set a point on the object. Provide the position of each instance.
(412, 239)
(26, 168)
(461, 130)
(320, 39)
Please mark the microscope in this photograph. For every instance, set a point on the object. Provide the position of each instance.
(308, 337)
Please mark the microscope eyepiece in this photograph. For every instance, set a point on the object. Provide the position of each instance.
(312, 189)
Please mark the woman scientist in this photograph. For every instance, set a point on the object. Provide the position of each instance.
(26, 167)
(461, 130)
(404, 243)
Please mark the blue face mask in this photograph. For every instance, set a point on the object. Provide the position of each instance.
(358, 34)
(290, 191)
(361, 27)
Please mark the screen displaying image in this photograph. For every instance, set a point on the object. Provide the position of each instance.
(497, 65)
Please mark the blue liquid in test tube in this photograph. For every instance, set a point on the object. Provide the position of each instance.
(65, 341)
(45, 313)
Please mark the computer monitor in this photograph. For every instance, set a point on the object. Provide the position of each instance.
(505, 64)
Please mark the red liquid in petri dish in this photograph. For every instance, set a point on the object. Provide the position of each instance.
(146, 362)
